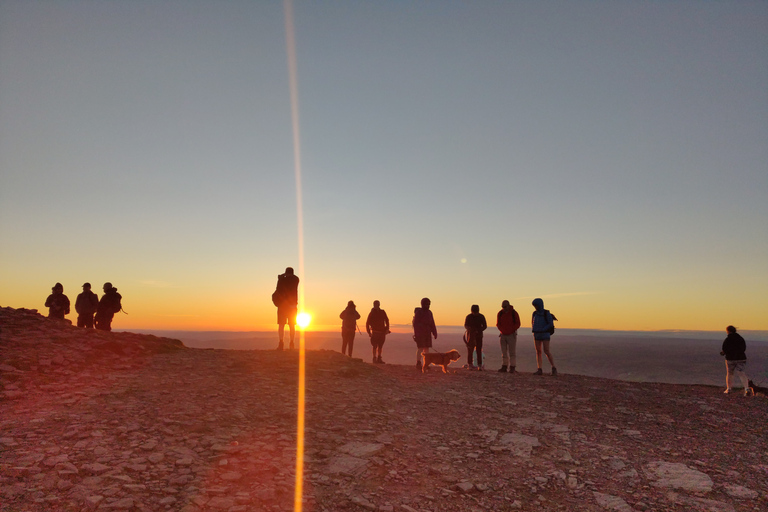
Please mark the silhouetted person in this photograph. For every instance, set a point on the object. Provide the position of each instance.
(423, 330)
(57, 303)
(735, 352)
(86, 304)
(348, 325)
(508, 322)
(286, 298)
(542, 322)
(475, 324)
(109, 304)
(377, 327)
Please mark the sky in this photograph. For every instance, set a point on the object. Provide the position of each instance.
(610, 157)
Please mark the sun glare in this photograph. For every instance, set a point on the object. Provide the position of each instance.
(303, 320)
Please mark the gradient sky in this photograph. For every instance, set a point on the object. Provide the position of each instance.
(608, 156)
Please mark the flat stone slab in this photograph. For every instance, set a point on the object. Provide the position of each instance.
(521, 445)
(359, 449)
(346, 465)
(609, 502)
(678, 476)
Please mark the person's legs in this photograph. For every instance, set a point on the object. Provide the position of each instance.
(512, 347)
(739, 371)
(470, 354)
(537, 343)
(479, 348)
(548, 353)
(351, 343)
(504, 344)
(727, 375)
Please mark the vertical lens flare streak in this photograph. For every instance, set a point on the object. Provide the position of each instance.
(294, 88)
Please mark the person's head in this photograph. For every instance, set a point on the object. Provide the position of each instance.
(58, 288)
(86, 286)
(475, 308)
(289, 271)
(376, 304)
(730, 329)
(538, 304)
(425, 303)
(504, 304)
(351, 304)
(107, 287)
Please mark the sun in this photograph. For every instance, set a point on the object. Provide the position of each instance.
(303, 320)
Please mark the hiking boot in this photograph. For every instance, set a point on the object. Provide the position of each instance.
(291, 347)
(503, 369)
(380, 361)
(749, 392)
(554, 371)
(375, 360)
(512, 369)
(279, 346)
(481, 368)
(471, 367)
(538, 372)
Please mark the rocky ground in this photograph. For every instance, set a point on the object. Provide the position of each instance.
(120, 421)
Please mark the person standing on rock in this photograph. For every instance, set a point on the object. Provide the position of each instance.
(508, 322)
(423, 330)
(86, 305)
(377, 327)
(735, 351)
(542, 325)
(286, 298)
(57, 303)
(109, 304)
(348, 326)
(475, 324)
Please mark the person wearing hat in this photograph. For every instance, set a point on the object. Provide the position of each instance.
(348, 325)
(109, 304)
(86, 305)
(57, 303)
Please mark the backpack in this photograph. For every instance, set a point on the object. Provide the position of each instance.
(554, 318)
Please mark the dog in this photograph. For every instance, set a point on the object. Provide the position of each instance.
(440, 359)
(757, 390)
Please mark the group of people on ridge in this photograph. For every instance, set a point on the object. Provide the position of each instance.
(507, 321)
(91, 311)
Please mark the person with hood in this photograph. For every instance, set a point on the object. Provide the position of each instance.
(109, 304)
(423, 330)
(86, 305)
(475, 324)
(734, 349)
(286, 298)
(377, 327)
(508, 322)
(57, 303)
(348, 325)
(542, 324)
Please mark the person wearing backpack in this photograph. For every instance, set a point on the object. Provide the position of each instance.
(348, 325)
(109, 304)
(508, 322)
(543, 326)
(424, 330)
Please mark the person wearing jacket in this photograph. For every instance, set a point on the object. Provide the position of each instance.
(57, 303)
(475, 324)
(377, 327)
(109, 304)
(508, 322)
(734, 349)
(348, 325)
(286, 298)
(541, 323)
(423, 330)
(86, 305)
